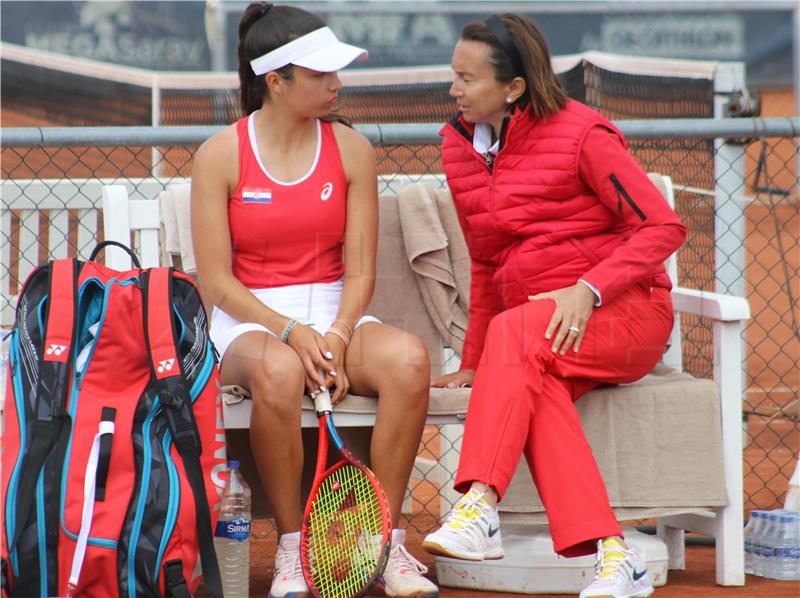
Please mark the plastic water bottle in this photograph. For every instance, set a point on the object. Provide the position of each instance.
(787, 547)
(751, 531)
(760, 542)
(232, 536)
(770, 539)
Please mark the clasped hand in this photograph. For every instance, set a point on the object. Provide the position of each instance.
(322, 358)
(574, 307)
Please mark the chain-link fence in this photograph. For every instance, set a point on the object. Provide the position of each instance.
(736, 189)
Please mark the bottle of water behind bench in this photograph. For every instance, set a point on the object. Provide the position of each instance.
(232, 535)
(751, 532)
(769, 536)
(787, 547)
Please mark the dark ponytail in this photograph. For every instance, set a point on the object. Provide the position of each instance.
(544, 93)
(263, 28)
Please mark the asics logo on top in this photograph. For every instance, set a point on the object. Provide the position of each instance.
(56, 349)
(165, 365)
(637, 575)
(327, 190)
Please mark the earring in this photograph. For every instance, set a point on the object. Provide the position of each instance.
(509, 100)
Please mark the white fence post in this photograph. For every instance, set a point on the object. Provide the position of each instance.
(115, 201)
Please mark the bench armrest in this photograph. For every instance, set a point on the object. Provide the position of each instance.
(725, 308)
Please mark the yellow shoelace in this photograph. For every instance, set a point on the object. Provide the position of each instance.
(466, 511)
(611, 558)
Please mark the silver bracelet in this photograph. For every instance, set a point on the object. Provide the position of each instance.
(287, 329)
(335, 332)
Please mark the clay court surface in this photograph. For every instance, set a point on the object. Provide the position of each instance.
(696, 582)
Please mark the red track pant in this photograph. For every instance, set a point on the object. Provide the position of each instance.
(523, 402)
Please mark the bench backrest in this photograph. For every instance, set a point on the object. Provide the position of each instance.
(41, 220)
(397, 299)
(45, 219)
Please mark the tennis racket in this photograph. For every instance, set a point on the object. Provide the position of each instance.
(345, 539)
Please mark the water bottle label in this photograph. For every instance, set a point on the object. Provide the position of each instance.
(793, 552)
(233, 529)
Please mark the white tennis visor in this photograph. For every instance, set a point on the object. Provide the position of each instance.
(318, 51)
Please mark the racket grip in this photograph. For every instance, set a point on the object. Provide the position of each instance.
(322, 399)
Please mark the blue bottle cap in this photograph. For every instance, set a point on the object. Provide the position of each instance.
(233, 464)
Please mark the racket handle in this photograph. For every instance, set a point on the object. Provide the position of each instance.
(322, 399)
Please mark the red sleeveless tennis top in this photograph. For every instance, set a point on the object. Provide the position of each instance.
(288, 232)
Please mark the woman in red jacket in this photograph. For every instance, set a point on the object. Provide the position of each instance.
(567, 238)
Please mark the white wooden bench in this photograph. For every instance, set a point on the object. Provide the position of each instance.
(721, 420)
(43, 219)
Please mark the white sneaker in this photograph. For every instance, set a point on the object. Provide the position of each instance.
(471, 531)
(618, 573)
(288, 580)
(404, 575)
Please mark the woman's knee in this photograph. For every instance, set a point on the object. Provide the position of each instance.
(401, 360)
(528, 319)
(277, 381)
(407, 359)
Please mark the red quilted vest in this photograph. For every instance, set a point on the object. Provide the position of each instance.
(531, 224)
(526, 214)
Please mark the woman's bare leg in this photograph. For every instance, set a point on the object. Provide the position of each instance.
(274, 375)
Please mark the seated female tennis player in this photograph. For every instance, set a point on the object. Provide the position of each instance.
(285, 224)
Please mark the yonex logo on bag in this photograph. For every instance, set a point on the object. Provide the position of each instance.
(327, 191)
(166, 365)
(54, 349)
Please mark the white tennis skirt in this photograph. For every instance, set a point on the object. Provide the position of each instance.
(314, 305)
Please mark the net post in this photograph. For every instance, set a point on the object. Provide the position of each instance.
(729, 216)
(155, 120)
(729, 222)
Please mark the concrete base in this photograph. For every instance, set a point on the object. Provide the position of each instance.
(531, 567)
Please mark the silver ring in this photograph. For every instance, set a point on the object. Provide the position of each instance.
(575, 329)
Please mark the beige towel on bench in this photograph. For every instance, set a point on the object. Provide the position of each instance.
(428, 219)
(176, 222)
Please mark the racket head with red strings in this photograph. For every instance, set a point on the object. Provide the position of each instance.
(345, 538)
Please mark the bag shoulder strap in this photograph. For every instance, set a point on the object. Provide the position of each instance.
(167, 374)
(49, 403)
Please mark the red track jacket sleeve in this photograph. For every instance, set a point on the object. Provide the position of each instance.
(606, 167)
